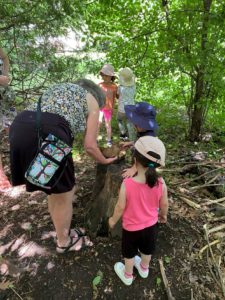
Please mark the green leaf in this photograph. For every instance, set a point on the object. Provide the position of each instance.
(158, 281)
(97, 279)
(167, 259)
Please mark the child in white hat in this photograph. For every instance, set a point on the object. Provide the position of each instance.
(126, 95)
(142, 203)
(110, 89)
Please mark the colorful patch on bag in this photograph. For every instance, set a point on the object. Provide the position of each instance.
(41, 170)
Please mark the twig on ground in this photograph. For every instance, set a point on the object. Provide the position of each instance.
(205, 185)
(213, 179)
(214, 201)
(207, 246)
(165, 281)
(202, 175)
(189, 202)
(14, 291)
(218, 219)
(217, 268)
(215, 229)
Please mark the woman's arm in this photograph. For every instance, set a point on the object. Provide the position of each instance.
(90, 140)
(5, 60)
(4, 78)
(119, 208)
(164, 205)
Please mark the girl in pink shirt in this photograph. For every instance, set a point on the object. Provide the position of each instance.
(110, 89)
(142, 202)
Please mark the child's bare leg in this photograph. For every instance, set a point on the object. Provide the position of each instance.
(100, 120)
(129, 265)
(108, 129)
(145, 260)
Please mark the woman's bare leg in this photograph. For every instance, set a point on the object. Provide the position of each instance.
(61, 210)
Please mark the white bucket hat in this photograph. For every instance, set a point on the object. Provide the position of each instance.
(151, 148)
(108, 70)
(126, 77)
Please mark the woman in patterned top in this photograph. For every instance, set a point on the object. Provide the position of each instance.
(66, 109)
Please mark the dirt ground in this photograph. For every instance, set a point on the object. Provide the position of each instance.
(31, 269)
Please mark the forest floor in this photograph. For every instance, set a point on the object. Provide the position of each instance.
(31, 269)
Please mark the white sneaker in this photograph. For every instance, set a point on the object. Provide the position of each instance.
(109, 144)
(137, 262)
(120, 269)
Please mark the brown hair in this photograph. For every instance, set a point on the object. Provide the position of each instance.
(151, 174)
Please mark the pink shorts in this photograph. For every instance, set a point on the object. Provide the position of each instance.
(107, 113)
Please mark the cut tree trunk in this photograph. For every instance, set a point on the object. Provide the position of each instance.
(104, 198)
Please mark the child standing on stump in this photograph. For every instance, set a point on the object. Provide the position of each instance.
(142, 202)
(126, 94)
(110, 89)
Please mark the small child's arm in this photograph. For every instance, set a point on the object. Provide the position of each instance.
(164, 205)
(119, 208)
(130, 172)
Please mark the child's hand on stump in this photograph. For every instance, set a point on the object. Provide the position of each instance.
(111, 223)
(162, 218)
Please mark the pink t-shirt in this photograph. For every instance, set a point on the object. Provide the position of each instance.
(142, 204)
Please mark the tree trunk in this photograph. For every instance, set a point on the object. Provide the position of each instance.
(198, 108)
(200, 86)
(104, 198)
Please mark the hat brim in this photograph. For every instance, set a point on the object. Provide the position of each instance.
(147, 123)
(107, 73)
(127, 83)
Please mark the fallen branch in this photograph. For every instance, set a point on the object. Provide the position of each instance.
(215, 229)
(214, 201)
(14, 291)
(205, 185)
(218, 219)
(192, 295)
(202, 175)
(165, 281)
(213, 179)
(217, 268)
(190, 203)
(207, 246)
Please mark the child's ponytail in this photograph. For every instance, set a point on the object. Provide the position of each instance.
(151, 175)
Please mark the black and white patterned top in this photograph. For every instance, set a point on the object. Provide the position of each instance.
(67, 100)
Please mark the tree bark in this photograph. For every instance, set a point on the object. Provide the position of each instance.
(104, 198)
(200, 85)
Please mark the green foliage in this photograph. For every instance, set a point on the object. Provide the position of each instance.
(172, 49)
(177, 51)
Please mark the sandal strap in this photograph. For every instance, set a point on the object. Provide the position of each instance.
(79, 232)
(71, 244)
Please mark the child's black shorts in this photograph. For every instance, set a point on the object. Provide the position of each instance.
(143, 240)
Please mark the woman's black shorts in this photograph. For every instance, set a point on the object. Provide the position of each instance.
(141, 240)
(23, 139)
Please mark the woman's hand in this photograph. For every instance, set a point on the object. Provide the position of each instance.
(4, 80)
(110, 160)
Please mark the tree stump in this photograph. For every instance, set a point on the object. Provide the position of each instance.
(104, 198)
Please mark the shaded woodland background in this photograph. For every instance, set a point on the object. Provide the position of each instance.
(176, 49)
